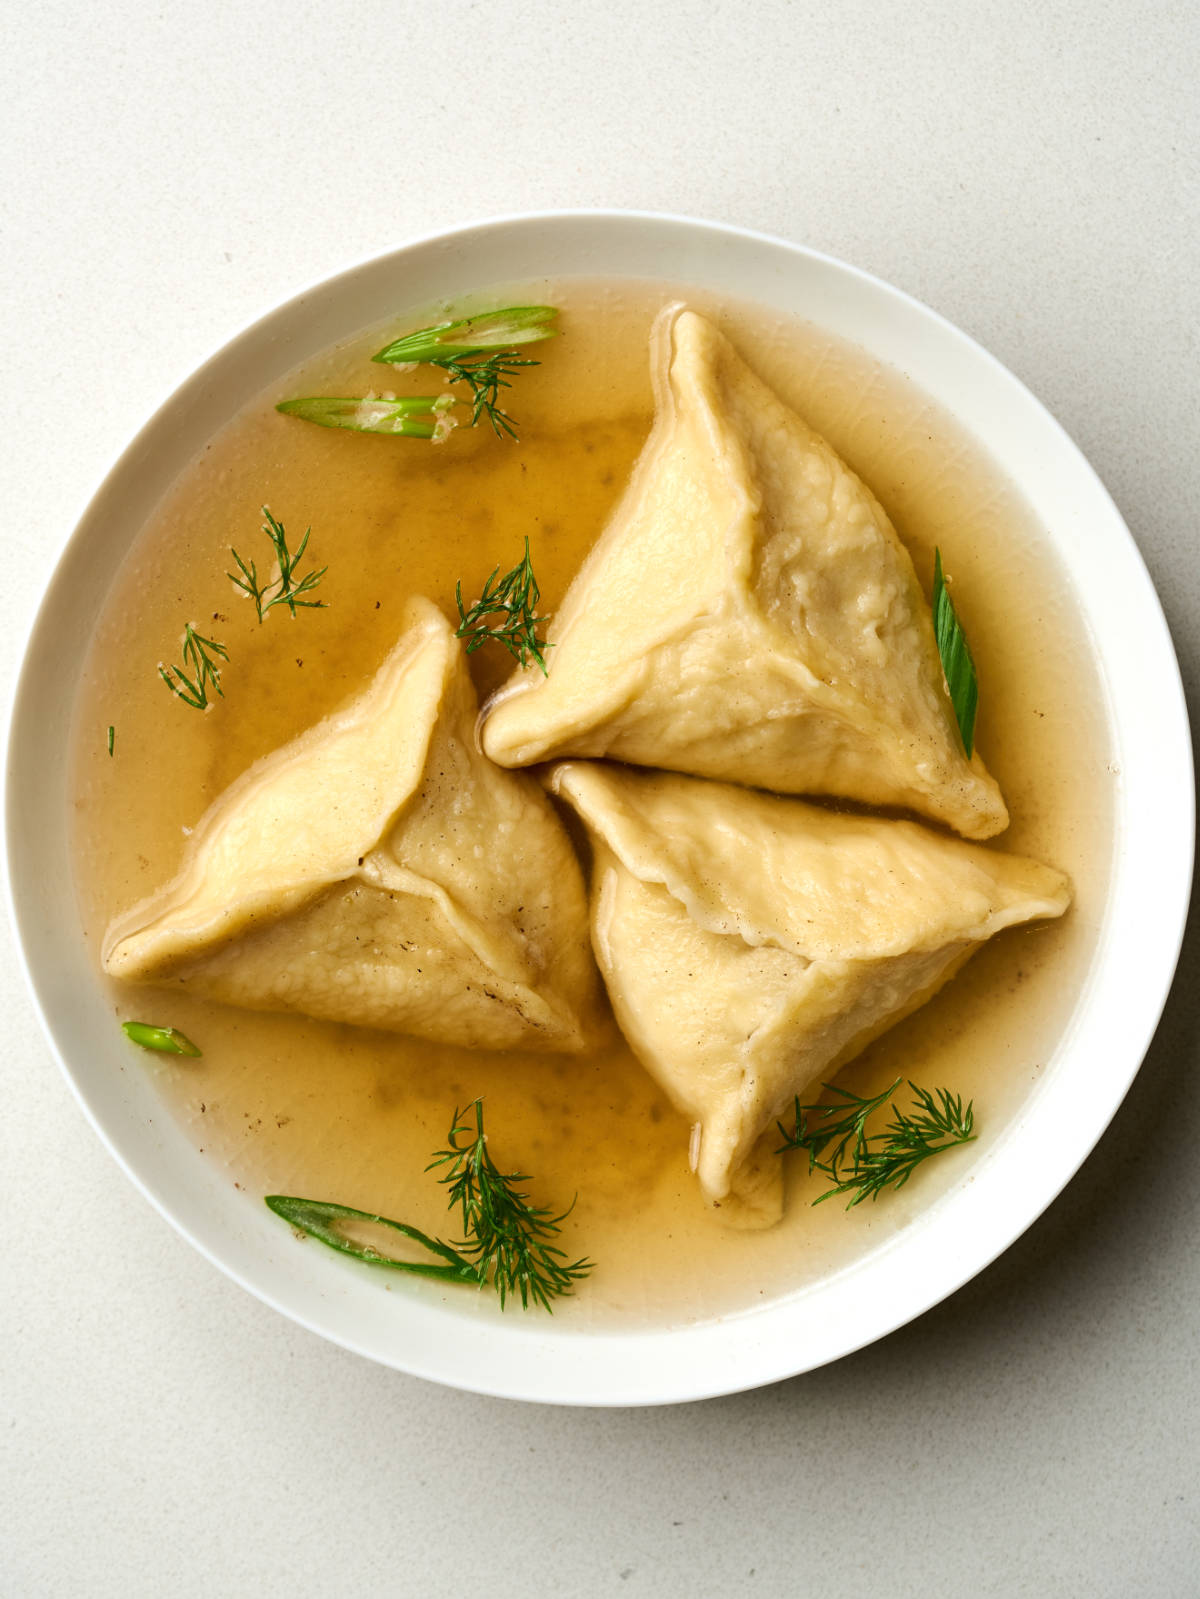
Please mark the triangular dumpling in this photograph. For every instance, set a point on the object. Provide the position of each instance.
(749, 614)
(752, 945)
(379, 870)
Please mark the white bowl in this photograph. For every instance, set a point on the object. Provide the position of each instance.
(1101, 1046)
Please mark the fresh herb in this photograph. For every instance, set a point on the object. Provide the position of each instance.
(479, 351)
(200, 656)
(862, 1166)
(328, 1222)
(408, 418)
(112, 739)
(842, 1123)
(513, 599)
(486, 375)
(955, 652)
(472, 335)
(287, 590)
(506, 1239)
(167, 1040)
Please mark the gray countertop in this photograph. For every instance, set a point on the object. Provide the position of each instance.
(1031, 172)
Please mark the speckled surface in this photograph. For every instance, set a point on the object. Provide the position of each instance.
(168, 173)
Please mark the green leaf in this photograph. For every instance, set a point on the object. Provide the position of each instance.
(472, 335)
(283, 589)
(478, 351)
(323, 1220)
(506, 1237)
(166, 1040)
(407, 418)
(863, 1165)
(507, 612)
(200, 656)
(955, 652)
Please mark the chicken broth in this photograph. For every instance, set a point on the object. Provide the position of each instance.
(291, 1105)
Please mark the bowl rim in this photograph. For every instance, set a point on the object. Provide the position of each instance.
(892, 1298)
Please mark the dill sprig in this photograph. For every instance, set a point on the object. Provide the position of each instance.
(957, 663)
(842, 1123)
(200, 656)
(512, 599)
(287, 591)
(506, 1239)
(486, 375)
(861, 1166)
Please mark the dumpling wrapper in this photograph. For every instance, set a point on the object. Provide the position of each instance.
(748, 614)
(752, 945)
(379, 870)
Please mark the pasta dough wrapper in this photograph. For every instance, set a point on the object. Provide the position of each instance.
(380, 870)
(748, 614)
(752, 945)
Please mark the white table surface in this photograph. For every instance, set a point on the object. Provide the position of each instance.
(169, 171)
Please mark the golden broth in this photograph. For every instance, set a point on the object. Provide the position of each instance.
(291, 1105)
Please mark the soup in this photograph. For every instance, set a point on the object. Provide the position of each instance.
(293, 1105)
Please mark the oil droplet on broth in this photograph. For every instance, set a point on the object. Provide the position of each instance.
(298, 1106)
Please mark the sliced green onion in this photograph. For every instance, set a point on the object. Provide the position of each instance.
(408, 418)
(167, 1040)
(324, 1220)
(472, 335)
(955, 652)
(112, 739)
